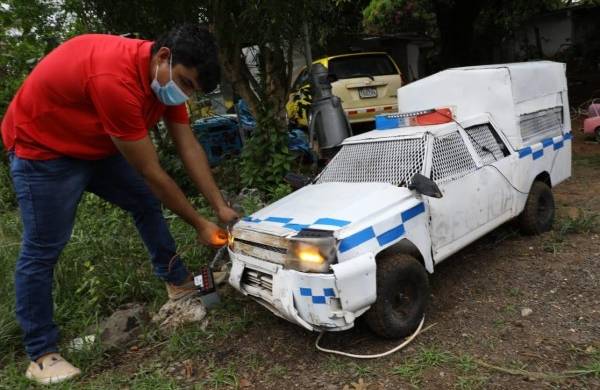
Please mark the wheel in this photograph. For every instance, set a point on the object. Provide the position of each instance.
(538, 215)
(402, 296)
(597, 134)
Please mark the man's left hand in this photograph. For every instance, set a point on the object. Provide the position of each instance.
(227, 215)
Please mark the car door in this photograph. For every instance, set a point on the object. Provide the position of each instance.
(453, 215)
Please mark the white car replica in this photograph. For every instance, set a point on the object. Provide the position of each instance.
(395, 202)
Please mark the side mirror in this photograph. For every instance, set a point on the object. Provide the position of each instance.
(425, 186)
(296, 181)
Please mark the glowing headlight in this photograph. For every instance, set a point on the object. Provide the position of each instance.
(310, 254)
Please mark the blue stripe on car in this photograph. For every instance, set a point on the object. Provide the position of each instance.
(356, 239)
(390, 235)
(331, 221)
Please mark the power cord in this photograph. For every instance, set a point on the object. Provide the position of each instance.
(375, 356)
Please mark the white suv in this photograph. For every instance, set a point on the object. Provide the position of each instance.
(395, 202)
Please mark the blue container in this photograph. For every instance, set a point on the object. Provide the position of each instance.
(219, 136)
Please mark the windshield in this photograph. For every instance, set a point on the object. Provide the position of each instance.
(363, 65)
(393, 162)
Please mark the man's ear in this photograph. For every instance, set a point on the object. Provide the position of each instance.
(163, 54)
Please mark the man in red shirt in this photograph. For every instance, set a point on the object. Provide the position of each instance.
(80, 123)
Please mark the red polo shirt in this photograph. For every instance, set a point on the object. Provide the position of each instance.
(86, 90)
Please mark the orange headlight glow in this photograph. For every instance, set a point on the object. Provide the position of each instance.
(310, 254)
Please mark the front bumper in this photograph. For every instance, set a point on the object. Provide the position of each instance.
(314, 301)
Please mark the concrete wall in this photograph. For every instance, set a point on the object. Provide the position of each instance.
(551, 34)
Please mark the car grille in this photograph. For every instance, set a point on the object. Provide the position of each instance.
(258, 279)
(261, 246)
(259, 285)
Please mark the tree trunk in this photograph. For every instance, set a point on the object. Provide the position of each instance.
(276, 83)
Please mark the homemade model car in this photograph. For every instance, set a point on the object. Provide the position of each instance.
(478, 146)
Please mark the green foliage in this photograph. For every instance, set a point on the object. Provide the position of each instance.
(466, 32)
(7, 195)
(141, 18)
(266, 157)
(382, 16)
(28, 30)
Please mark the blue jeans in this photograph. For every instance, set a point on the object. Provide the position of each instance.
(48, 193)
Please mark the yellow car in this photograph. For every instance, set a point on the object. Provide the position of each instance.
(366, 83)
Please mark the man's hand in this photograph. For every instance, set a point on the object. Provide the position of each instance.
(211, 235)
(227, 215)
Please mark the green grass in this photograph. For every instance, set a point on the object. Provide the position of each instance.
(277, 371)
(412, 368)
(361, 370)
(335, 365)
(585, 223)
(470, 382)
(465, 363)
(409, 370)
(515, 292)
(10, 233)
(220, 378)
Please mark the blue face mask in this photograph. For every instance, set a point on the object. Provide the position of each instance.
(169, 94)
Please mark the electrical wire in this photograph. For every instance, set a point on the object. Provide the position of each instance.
(374, 356)
(505, 178)
(487, 150)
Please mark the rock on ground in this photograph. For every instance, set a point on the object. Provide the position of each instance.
(175, 313)
(123, 326)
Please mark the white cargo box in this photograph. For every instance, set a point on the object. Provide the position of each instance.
(526, 100)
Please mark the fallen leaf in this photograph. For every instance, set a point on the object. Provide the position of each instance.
(360, 385)
(189, 369)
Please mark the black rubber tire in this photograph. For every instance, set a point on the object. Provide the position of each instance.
(538, 215)
(402, 296)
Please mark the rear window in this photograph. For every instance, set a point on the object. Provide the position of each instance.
(364, 65)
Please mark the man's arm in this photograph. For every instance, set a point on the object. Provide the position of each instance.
(142, 156)
(196, 164)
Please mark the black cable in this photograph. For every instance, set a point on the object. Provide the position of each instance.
(505, 178)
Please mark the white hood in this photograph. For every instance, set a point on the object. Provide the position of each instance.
(327, 206)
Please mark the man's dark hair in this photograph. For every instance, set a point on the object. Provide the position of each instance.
(193, 46)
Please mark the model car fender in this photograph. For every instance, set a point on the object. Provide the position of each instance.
(355, 280)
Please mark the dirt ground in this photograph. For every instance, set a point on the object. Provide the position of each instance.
(529, 306)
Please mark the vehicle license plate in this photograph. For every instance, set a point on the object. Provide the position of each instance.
(367, 92)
